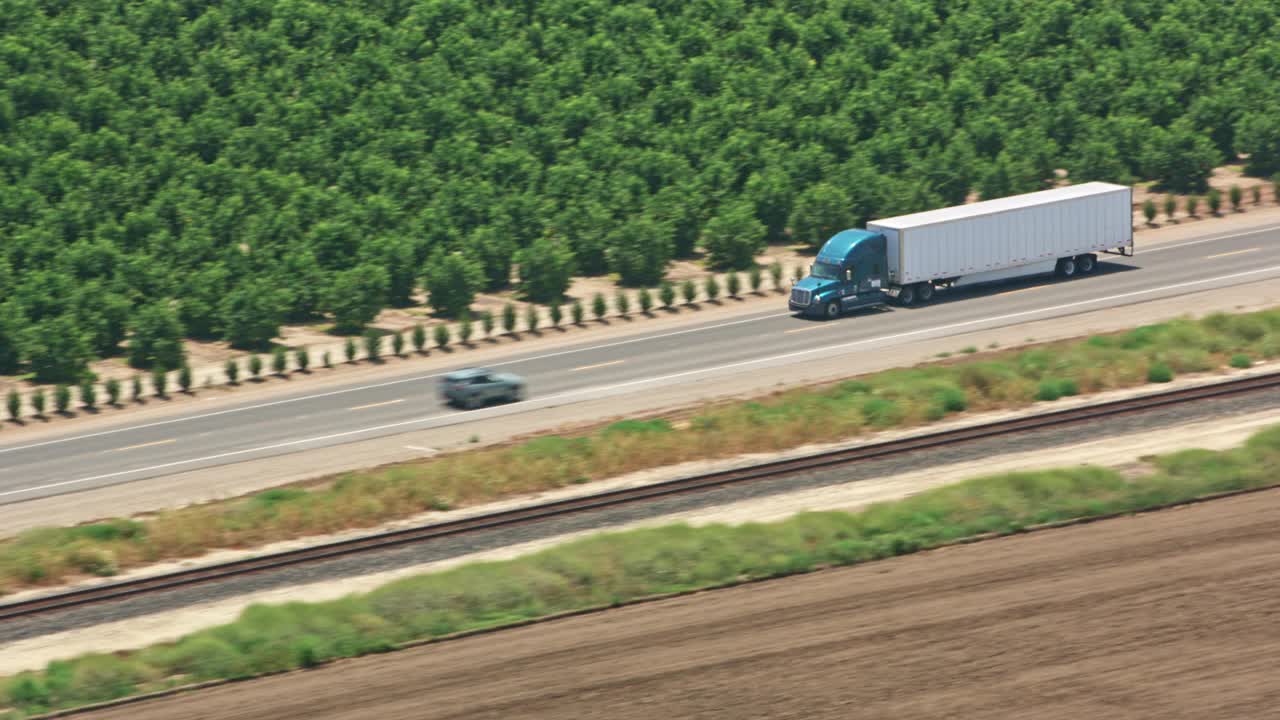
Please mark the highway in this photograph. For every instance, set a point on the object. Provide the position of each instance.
(76, 461)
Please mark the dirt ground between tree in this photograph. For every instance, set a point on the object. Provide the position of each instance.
(1166, 615)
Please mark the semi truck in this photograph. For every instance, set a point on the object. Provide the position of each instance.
(905, 259)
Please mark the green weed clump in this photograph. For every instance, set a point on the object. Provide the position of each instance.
(614, 568)
(784, 420)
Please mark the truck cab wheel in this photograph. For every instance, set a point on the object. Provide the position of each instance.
(907, 296)
(1067, 267)
(832, 310)
(924, 292)
(1086, 264)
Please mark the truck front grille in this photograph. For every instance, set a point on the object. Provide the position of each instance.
(799, 296)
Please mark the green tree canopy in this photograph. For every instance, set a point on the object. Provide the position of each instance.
(546, 270)
(734, 237)
(356, 296)
(452, 281)
(155, 337)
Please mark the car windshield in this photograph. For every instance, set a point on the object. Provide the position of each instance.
(825, 271)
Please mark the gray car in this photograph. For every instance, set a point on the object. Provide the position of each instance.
(474, 387)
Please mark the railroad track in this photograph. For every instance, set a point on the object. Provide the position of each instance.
(507, 518)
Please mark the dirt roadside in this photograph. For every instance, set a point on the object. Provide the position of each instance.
(1119, 451)
(1166, 615)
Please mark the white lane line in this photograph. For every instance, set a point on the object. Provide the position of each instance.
(170, 441)
(377, 404)
(1215, 238)
(430, 451)
(598, 365)
(416, 378)
(1233, 252)
(645, 381)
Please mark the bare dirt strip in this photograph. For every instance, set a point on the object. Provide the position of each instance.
(1166, 615)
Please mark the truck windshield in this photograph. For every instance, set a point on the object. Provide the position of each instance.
(825, 271)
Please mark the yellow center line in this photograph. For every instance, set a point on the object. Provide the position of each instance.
(1233, 252)
(1025, 289)
(599, 365)
(150, 444)
(377, 404)
(807, 329)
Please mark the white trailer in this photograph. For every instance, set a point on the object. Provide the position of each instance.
(1059, 230)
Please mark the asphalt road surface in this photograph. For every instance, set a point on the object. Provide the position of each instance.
(77, 461)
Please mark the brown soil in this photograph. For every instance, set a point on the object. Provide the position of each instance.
(1167, 615)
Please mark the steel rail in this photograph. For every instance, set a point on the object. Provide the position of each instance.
(384, 540)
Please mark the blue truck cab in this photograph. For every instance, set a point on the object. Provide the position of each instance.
(849, 273)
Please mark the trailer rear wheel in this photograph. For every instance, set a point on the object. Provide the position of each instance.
(907, 295)
(924, 291)
(832, 310)
(1086, 264)
(1067, 267)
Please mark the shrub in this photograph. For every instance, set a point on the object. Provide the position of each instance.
(232, 370)
(598, 306)
(1214, 201)
(113, 392)
(755, 277)
(37, 402)
(160, 381)
(487, 321)
(397, 344)
(711, 286)
(666, 294)
(419, 338)
(1256, 193)
(577, 312)
(255, 365)
(61, 398)
(1159, 373)
(465, 329)
(1237, 197)
(326, 359)
(184, 378)
(442, 336)
(733, 284)
(1170, 206)
(88, 393)
(15, 404)
(1241, 361)
(689, 291)
(1193, 205)
(349, 350)
(372, 345)
(509, 318)
(531, 317)
(1149, 210)
(797, 273)
(775, 273)
(137, 388)
(622, 303)
(646, 300)
(557, 314)
(279, 360)
(302, 358)
(1048, 390)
